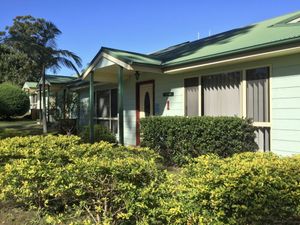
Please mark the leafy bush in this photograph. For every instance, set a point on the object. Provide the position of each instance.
(105, 184)
(13, 101)
(248, 188)
(180, 138)
(101, 134)
(58, 174)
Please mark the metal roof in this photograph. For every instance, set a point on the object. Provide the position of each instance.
(269, 33)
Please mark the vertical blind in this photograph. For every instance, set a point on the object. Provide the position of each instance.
(258, 94)
(221, 94)
(263, 138)
(191, 96)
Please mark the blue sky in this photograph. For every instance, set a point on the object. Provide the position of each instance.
(140, 25)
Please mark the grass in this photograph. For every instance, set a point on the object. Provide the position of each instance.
(20, 128)
(10, 215)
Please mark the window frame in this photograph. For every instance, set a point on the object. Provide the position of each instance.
(243, 94)
(244, 101)
(110, 118)
(199, 95)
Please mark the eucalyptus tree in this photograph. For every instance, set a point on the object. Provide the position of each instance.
(37, 38)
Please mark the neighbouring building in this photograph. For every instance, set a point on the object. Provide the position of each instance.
(31, 89)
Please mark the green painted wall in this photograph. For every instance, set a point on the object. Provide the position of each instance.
(285, 99)
(286, 106)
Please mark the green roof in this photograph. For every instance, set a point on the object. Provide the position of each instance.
(30, 85)
(59, 79)
(270, 33)
(132, 57)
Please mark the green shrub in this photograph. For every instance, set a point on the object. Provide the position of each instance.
(248, 188)
(60, 175)
(101, 134)
(13, 101)
(180, 138)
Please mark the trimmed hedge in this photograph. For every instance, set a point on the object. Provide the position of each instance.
(179, 138)
(59, 175)
(246, 189)
(13, 101)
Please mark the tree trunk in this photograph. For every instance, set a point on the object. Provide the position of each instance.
(44, 110)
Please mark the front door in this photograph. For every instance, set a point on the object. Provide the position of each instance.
(144, 104)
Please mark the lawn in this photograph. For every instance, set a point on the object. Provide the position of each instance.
(19, 128)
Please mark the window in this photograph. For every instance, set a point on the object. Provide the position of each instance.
(147, 104)
(263, 138)
(191, 86)
(221, 94)
(107, 109)
(34, 99)
(236, 93)
(258, 104)
(258, 94)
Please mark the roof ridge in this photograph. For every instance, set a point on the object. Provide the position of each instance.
(130, 52)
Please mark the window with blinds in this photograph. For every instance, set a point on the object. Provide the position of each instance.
(221, 94)
(191, 86)
(258, 94)
(258, 104)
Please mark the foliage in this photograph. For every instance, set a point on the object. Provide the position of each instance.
(13, 101)
(65, 110)
(36, 37)
(180, 138)
(16, 67)
(101, 134)
(73, 183)
(248, 188)
(59, 175)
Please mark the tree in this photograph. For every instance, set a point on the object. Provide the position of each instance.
(16, 67)
(37, 38)
(13, 101)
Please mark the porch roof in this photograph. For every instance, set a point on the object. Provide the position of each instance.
(58, 79)
(269, 34)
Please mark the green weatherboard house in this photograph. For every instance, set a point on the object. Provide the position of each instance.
(251, 72)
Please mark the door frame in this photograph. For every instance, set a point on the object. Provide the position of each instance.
(137, 108)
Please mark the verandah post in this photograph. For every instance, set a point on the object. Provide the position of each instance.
(91, 122)
(121, 105)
